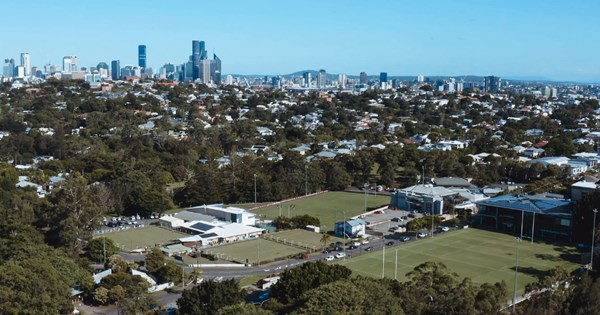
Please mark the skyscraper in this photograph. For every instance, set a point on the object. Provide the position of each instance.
(26, 63)
(115, 69)
(69, 64)
(492, 83)
(142, 56)
(363, 78)
(203, 53)
(321, 78)
(383, 77)
(307, 78)
(216, 69)
(342, 79)
(9, 68)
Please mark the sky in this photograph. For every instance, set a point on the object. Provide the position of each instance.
(553, 40)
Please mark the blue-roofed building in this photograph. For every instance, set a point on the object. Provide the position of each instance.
(545, 216)
(352, 228)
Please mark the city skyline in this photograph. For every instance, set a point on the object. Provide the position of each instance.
(517, 40)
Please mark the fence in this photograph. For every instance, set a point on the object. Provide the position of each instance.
(290, 243)
(161, 287)
(287, 200)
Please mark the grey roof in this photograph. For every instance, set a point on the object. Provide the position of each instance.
(452, 182)
(427, 190)
(187, 216)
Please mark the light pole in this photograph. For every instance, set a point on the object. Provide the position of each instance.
(518, 240)
(344, 223)
(255, 190)
(383, 262)
(365, 186)
(258, 251)
(306, 179)
(432, 222)
(593, 240)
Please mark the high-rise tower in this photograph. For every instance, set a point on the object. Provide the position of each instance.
(26, 63)
(142, 56)
(115, 69)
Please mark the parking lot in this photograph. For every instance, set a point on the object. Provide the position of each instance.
(382, 222)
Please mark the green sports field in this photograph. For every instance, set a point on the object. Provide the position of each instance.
(303, 237)
(252, 250)
(142, 237)
(327, 207)
(483, 256)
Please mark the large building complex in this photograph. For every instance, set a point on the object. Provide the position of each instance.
(539, 216)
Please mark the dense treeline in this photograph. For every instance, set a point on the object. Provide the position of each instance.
(319, 288)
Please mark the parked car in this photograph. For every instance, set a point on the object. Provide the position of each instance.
(340, 255)
(404, 217)
(390, 243)
(422, 234)
(392, 229)
(365, 241)
(397, 219)
(352, 247)
(329, 258)
(405, 238)
(368, 249)
(356, 243)
(445, 228)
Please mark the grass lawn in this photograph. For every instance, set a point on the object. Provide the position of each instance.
(327, 207)
(483, 256)
(240, 251)
(142, 237)
(305, 237)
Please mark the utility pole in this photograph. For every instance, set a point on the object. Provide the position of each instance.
(593, 240)
(396, 267)
(518, 240)
(104, 248)
(306, 179)
(254, 190)
(365, 186)
(383, 262)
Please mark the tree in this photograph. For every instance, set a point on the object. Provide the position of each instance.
(551, 293)
(100, 248)
(336, 298)
(208, 297)
(32, 287)
(295, 282)
(101, 295)
(325, 240)
(155, 259)
(76, 210)
(170, 272)
(243, 309)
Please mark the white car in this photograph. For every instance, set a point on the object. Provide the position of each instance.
(445, 228)
(422, 234)
(365, 241)
(329, 258)
(340, 255)
(356, 243)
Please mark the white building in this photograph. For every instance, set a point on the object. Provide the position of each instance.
(228, 214)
